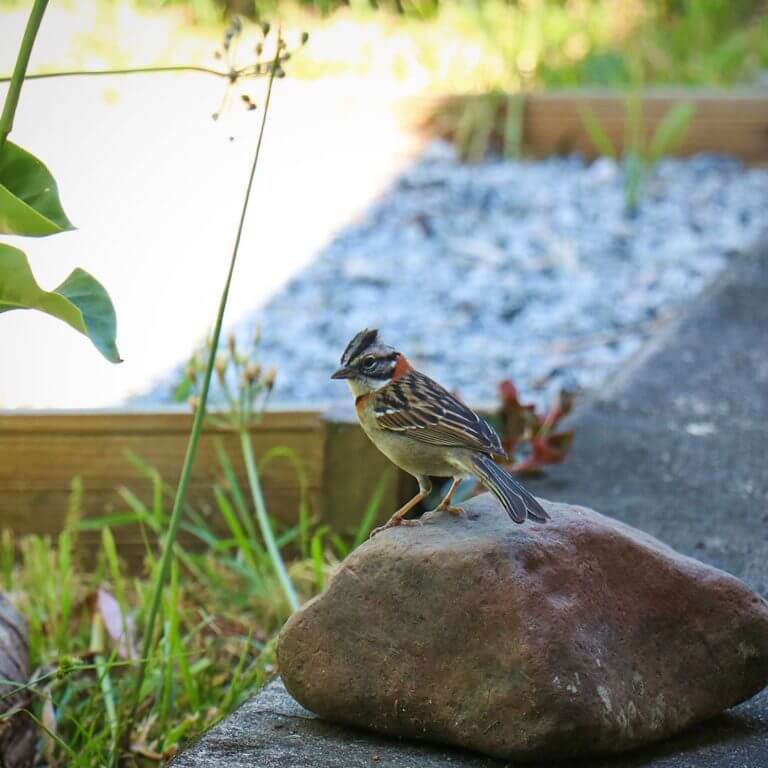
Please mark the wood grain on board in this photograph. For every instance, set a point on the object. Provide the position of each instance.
(41, 454)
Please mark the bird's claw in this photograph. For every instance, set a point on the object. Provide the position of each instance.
(394, 524)
(378, 530)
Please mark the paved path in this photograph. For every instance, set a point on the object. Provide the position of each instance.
(677, 447)
(155, 187)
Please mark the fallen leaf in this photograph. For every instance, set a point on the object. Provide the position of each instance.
(120, 629)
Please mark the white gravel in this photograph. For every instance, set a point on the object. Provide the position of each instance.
(523, 270)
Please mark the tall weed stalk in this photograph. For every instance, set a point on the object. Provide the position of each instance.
(178, 505)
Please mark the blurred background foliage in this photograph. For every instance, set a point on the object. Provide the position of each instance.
(456, 45)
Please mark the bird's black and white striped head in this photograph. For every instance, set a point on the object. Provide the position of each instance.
(367, 363)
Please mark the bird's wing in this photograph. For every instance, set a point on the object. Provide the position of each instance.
(419, 406)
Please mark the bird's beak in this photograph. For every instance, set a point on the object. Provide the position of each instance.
(344, 373)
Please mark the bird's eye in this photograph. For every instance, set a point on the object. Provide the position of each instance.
(369, 362)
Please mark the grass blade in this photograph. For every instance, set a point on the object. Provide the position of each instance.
(372, 510)
(597, 134)
(282, 452)
(263, 519)
(671, 131)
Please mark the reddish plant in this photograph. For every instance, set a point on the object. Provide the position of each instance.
(521, 424)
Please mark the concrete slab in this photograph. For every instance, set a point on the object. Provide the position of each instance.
(273, 731)
(676, 447)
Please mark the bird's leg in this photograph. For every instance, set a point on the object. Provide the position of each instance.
(445, 504)
(397, 519)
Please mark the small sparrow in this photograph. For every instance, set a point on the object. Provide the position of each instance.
(425, 430)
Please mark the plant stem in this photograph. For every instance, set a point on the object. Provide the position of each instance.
(126, 71)
(263, 518)
(194, 438)
(20, 69)
(252, 70)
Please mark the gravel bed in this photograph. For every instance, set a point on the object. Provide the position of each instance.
(524, 270)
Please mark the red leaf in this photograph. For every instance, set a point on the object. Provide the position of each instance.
(551, 449)
(522, 423)
(508, 394)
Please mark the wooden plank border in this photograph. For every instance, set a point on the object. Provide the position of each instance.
(40, 454)
(733, 121)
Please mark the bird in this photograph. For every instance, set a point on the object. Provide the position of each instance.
(426, 431)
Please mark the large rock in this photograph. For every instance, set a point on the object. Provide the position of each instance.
(580, 636)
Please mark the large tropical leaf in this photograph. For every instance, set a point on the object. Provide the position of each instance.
(80, 301)
(29, 198)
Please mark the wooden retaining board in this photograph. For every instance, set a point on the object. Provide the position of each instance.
(733, 121)
(40, 454)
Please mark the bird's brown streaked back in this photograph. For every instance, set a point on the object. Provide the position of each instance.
(415, 403)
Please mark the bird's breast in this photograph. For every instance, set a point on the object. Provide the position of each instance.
(402, 448)
(361, 401)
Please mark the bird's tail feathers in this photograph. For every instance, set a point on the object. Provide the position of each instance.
(516, 500)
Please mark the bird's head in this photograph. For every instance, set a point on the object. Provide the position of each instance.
(368, 364)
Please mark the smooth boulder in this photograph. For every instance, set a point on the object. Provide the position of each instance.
(527, 642)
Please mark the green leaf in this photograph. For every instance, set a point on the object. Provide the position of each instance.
(80, 301)
(634, 126)
(29, 198)
(91, 298)
(597, 134)
(636, 170)
(671, 130)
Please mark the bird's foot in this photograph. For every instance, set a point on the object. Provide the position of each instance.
(394, 524)
(451, 510)
(378, 530)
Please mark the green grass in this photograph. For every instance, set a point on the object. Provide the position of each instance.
(641, 154)
(220, 613)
